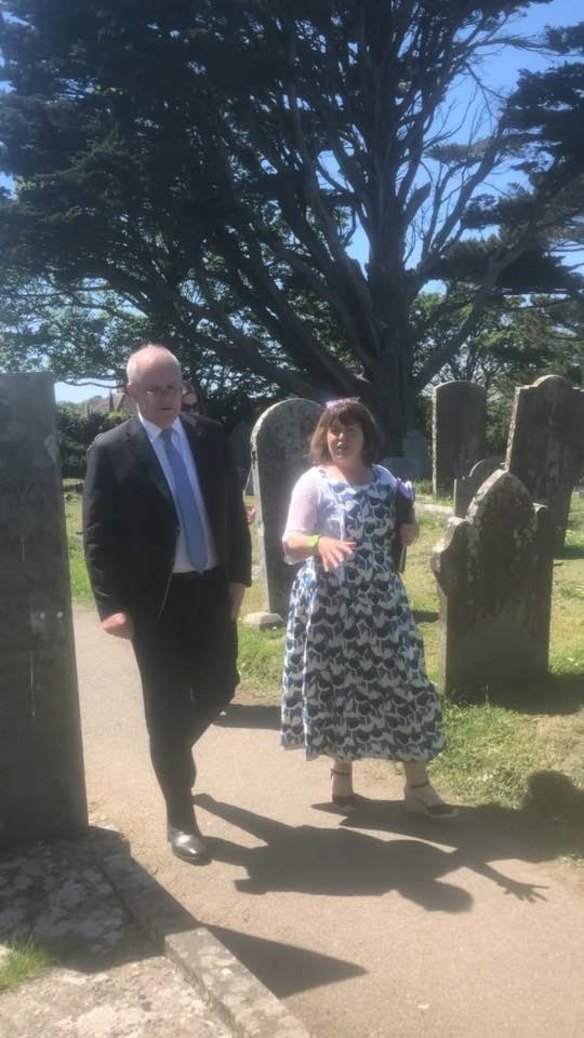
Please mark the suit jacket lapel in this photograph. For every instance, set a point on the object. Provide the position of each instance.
(139, 444)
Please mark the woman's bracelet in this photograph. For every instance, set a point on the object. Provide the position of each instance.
(313, 542)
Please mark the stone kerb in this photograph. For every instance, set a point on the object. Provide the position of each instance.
(494, 575)
(459, 421)
(280, 454)
(546, 445)
(42, 791)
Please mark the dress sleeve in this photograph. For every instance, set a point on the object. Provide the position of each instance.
(303, 514)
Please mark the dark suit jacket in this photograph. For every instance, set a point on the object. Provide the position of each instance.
(130, 521)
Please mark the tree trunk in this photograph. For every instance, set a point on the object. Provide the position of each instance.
(391, 392)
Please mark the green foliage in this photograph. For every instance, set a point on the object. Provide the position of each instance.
(498, 419)
(24, 962)
(76, 431)
(215, 206)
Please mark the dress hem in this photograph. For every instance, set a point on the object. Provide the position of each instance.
(329, 752)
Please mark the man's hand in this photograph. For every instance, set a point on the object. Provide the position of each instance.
(236, 593)
(119, 624)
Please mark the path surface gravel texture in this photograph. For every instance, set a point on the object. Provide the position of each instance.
(375, 925)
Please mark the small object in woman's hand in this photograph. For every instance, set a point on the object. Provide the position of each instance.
(409, 532)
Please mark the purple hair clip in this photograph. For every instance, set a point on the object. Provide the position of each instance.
(330, 404)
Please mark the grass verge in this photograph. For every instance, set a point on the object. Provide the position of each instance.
(23, 962)
(80, 589)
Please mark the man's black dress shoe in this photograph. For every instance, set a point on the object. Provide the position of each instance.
(188, 846)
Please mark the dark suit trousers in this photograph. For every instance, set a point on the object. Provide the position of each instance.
(187, 661)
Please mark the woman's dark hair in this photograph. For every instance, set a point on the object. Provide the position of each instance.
(196, 406)
(346, 412)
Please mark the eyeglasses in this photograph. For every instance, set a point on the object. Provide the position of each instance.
(331, 404)
(157, 391)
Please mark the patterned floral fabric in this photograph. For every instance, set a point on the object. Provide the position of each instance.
(355, 683)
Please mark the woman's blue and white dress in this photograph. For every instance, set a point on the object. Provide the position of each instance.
(355, 683)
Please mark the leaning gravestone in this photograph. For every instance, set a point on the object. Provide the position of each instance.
(466, 487)
(494, 574)
(42, 791)
(280, 454)
(546, 445)
(459, 421)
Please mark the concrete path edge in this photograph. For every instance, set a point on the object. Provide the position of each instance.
(246, 1006)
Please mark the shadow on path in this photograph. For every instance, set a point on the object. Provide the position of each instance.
(250, 715)
(285, 968)
(334, 862)
(346, 861)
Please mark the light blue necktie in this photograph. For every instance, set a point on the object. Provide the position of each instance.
(186, 503)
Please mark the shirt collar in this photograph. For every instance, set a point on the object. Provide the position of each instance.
(153, 431)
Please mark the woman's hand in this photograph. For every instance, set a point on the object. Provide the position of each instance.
(409, 532)
(333, 553)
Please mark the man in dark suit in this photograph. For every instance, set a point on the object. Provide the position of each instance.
(169, 557)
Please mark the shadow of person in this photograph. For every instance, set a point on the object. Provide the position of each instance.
(334, 862)
(549, 824)
(553, 797)
(250, 715)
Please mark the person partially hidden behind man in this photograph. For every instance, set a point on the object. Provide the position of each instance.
(169, 557)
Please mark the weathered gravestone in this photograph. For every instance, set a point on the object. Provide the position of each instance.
(459, 421)
(466, 487)
(494, 574)
(546, 445)
(280, 454)
(414, 463)
(42, 791)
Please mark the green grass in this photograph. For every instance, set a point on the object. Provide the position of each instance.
(24, 962)
(493, 749)
(80, 588)
(491, 753)
(260, 661)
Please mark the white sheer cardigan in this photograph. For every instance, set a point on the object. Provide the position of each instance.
(314, 507)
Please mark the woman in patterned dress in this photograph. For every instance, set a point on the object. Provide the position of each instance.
(355, 684)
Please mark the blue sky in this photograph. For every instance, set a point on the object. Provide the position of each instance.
(501, 69)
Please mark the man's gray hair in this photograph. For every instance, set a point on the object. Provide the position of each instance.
(150, 352)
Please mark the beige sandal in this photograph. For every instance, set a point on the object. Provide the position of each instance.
(416, 804)
(349, 801)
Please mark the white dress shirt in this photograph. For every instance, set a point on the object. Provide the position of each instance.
(182, 562)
